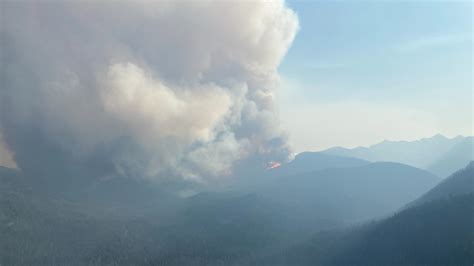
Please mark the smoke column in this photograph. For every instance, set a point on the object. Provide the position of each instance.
(142, 89)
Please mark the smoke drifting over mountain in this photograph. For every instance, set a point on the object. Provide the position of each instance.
(182, 88)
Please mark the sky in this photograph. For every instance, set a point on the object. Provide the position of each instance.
(361, 72)
(188, 88)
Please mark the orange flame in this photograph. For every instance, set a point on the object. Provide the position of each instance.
(273, 165)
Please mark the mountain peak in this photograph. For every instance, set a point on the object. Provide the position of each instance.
(470, 165)
(438, 136)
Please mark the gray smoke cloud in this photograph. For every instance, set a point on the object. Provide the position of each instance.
(6, 158)
(181, 88)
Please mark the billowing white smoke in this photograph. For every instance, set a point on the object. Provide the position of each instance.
(6, 159)
(182, 87)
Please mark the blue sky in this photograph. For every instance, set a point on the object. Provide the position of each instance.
(360, 72)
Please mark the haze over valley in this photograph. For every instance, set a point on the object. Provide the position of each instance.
(236, 133)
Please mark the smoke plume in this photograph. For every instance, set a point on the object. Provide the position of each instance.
(181, 88)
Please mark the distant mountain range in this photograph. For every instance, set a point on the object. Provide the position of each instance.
(319, 209)
(438, 154)
(314, 161)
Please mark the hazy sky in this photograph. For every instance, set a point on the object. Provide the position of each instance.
(360, 72)
(191, 84)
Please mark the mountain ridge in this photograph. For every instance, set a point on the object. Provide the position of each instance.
(438, 154)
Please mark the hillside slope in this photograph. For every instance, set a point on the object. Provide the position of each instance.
(349, 194)
(461, 182)
(437, 229)
(437, 233)
(457, 157)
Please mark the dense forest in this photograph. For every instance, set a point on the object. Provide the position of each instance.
(235, 228)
